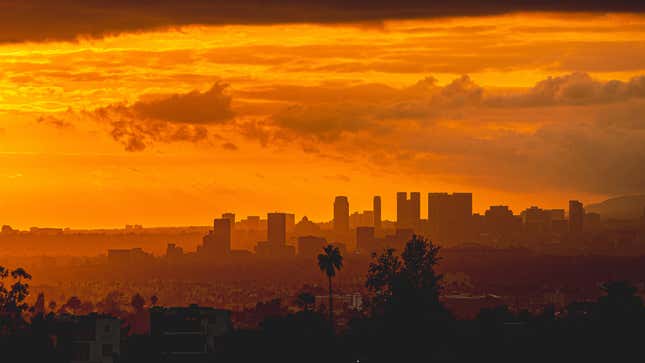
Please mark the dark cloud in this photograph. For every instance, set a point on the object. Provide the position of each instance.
(57, 122)
(230, 146)
(574, 89)
(42, 20)
(212, 106)
(571, 132)
(328, 112)
(166, 118)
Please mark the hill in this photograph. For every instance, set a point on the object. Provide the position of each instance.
(625, 207)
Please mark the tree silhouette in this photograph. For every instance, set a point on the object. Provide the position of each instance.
(72, 305)
(406, 313)
(329, 262)
(137, 302)
(621, 302)
(406, 286)
(306, 301)
(13, 300)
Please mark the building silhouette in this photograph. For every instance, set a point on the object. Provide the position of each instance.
(377, 211)
(536, 220)
(275, 245)
(310, 246)
(89, 338)
(576, 216)
(341, 215)
(450, 217)
(277, 228)
(500, 223)
(218, 241)
(363, 219)
(188, 333)
(231, 217)
(408, 211)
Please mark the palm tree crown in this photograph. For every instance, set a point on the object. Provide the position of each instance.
(329, 262)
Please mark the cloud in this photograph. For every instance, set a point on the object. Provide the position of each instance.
(43, 20)
(571, 132)
(230, 146)
(166, 118)
(211, 106)
(574, 89)
(56, 122)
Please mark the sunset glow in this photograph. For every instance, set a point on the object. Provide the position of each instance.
(173, 125)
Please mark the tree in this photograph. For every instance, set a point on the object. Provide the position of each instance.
(13, 299)
(306, 300)
(137, 302)
(73, 305)
(407, 285)
(381, 275)
(329, 262)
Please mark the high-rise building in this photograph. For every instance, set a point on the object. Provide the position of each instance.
(290, 222)
(576, 216)
(231, 217)
(499, 221)
(366, 218)
(341, 215)
(277, 229)
(408, 211)
(450, 216)
(218, 241)
(377, 211)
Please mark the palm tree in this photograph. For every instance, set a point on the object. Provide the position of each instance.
(329, 262)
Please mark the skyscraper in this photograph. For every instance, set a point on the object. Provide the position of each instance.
(231, 217)
(341, 215)
(576, 216)
(218, 241)
(277, 229)
(450, 216)
(408, 211)
(377, 211)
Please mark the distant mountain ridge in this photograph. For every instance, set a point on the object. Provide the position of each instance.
(625, 207)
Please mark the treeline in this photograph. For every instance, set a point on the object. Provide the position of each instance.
(403, 320)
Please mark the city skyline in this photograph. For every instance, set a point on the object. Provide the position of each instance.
(322, 181)
(165, 126)
(422, 212)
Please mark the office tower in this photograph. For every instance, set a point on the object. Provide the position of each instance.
(277, 229)
(450, 216)
(365, 239)
(290, 222)
(310, 246)
(500, 221)
(536, 220)
(252, 223)
(576, 216)
(377, 211)
(408, 211)
(229, 216)
(218, 241)
(363, 219)
(341, 215)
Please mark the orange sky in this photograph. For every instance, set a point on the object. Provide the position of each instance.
(174, 126)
